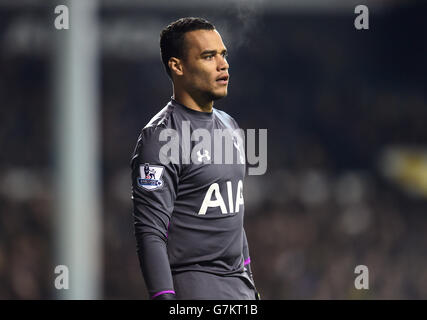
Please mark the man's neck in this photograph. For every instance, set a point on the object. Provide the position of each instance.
(193, 103)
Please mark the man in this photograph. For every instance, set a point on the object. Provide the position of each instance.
(190, 243)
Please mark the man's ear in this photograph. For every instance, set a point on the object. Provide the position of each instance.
(175, 65)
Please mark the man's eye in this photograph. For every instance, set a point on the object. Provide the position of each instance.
(209, 57)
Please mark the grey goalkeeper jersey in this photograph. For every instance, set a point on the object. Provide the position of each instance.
(188, 170)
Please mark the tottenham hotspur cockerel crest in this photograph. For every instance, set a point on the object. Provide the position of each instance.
(150, 177)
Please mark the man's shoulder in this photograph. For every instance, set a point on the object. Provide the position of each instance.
(160, 119)
(225, 117)
(149, 136)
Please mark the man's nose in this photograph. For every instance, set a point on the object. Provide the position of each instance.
(223, 64)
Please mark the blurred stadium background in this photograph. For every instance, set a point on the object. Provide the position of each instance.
(346, 114)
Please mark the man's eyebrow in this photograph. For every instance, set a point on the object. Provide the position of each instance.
(212, 52)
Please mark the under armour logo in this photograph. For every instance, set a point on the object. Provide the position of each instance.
(205, 154)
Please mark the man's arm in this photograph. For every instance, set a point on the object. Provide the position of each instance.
(153, 206)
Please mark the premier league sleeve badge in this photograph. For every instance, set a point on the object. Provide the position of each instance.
(150, 177)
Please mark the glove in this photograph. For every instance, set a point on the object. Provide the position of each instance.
(248, 271)
(165, 296)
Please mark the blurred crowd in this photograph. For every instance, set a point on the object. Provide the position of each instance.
(331, 100)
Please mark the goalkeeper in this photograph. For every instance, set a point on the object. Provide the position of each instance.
(188, 215)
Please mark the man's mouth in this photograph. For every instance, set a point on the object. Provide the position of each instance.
(222, 79)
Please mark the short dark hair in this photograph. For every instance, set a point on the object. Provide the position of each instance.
(172, 37)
